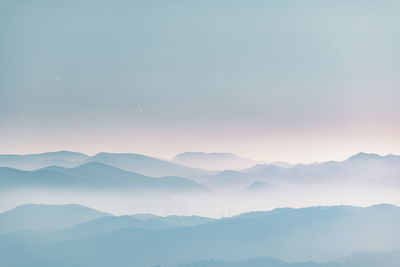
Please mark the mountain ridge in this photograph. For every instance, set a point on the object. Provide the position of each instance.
(276, 234)
(93, 176)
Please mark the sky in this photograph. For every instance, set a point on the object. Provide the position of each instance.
(297, 81)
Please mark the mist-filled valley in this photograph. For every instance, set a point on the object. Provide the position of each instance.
(208, 133)
(133, 183)
(117, 209)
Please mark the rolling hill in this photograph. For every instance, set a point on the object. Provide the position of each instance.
(92, 176)
(142, 164)
(293, 235)
(46, 217)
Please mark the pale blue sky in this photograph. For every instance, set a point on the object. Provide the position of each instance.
(274, 80)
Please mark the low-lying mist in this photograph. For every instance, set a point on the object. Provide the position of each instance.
(210, 204)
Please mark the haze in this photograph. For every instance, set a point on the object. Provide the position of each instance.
(297, 81)
(208, 133)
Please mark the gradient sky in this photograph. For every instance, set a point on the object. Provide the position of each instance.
(285, 80)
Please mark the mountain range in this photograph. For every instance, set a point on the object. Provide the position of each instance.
(358, 260)
(134, 171)
(56, 223)
(362, 168)
(188, 164)
(92, 176)
(142, 164)
(318, 234)
(37, 161)
(46, 217)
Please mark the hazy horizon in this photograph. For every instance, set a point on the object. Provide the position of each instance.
(281, 80)
(209, 152)
(292, 103)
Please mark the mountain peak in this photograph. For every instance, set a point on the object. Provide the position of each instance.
(362, 155)
(257, 186)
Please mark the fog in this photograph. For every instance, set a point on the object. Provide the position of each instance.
(212, 204)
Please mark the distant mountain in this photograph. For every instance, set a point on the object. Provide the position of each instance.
(365, 259)
(258, 187)
(257, 262)
(177, 220)
(270, 167)
(360, 169)
(374, 157)
(214, 161)
(112, 223)
(144, 216)
(142, 164)
(101, 226)
(37, 161)
(43, 178)
(65, 155)
(258, 214)
(93, 176)
(146, 165)
(46, 217)
(83, 230)
(359, 260)
(237, 181)
(293, 235)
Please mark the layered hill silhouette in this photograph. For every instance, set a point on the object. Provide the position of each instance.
(58, 223)
(46, 217)
(146, 165)
(132, 170)
(362, 260)
(111, 171)
(362, 168)
(92, 176)
(142, 164)
(292, 235)
(37, 161)
(257, 187)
